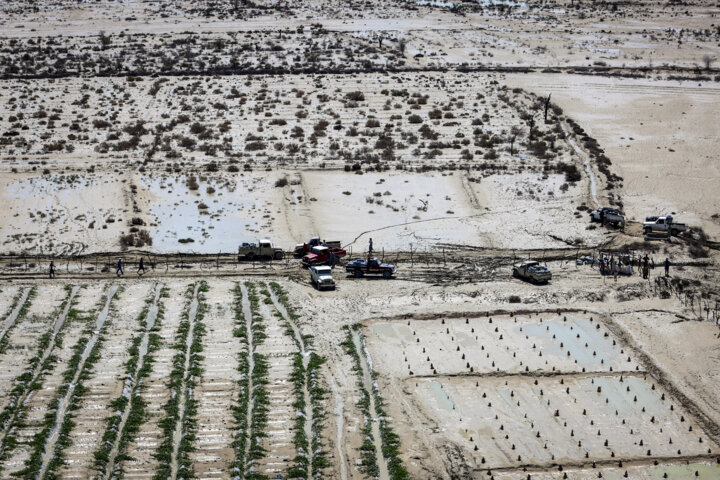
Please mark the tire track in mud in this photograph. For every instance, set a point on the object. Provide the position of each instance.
(51, 447)
(586, 162)
(17, 309)
(132, 383)
(23, 390)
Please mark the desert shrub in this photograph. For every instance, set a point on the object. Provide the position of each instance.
(321, 126)
(255, 146)
(435, 114)
(514, 299)
(372, 123)
(415, 119)
(356, 96)
(136, 129)
(137, 221)
(281, 182)
(192, 183)
(572, 174)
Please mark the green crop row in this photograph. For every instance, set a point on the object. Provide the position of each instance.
(181, 383)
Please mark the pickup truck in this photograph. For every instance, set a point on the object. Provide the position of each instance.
(322, 255)
(532, 271)
(662, 225)
(262, 249)
(373, 266)
(321, 277)
(305, 248)
(610, 214)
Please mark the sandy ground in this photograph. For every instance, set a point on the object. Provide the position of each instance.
(658, 135)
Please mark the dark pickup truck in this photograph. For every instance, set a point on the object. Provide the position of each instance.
(373, 266)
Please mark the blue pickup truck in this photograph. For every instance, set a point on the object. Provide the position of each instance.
(373, 266)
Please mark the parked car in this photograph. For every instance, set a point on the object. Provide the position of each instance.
(321, 277)
(532, 271)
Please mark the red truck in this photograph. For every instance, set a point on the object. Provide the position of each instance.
(305, 248)
(323, 256)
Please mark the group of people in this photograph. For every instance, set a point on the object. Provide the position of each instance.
(140, 271)
(646, 266)
(118, 270)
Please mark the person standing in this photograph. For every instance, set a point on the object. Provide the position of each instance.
(667, 267)
(52, 269)
(141, 267)
(119, 270)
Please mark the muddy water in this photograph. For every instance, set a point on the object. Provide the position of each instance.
(132, 383)
(178, 433)
(375, 421)
(38, 369)
(61, 411)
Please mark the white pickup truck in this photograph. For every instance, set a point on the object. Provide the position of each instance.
(662, 225)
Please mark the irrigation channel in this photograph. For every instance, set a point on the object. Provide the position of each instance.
(12, 317)
(248, 315)
(184, 390)
(132, 383)
(67, 400)
(308, 413)
(383, 472)
(36, 370)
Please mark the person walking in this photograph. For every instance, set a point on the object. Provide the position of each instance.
(119, 270)
(52, 269)
(667, 267)
(141, 268)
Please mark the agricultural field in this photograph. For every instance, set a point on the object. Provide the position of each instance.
(212, 377)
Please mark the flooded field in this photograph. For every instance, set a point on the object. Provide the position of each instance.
(508, 392)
